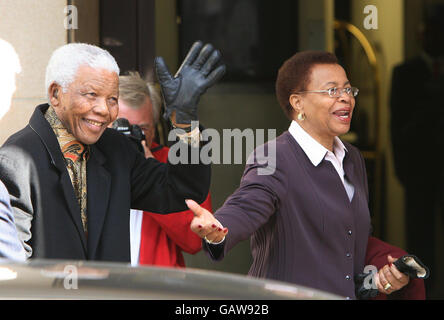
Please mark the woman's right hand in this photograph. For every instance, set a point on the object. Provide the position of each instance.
(389, 279)
(205, 225)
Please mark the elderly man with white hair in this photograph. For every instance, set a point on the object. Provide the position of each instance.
(72, 180)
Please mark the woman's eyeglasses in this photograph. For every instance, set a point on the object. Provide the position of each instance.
(336, 92)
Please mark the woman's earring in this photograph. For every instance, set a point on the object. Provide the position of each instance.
(301, 116)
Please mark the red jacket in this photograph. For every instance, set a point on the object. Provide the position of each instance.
(376, 255)
(163, 237)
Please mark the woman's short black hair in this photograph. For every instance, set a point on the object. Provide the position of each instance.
(294, 75)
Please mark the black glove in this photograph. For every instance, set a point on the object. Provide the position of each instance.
(197, 73)
(412, 266)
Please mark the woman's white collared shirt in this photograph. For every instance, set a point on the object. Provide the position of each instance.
(317, 152)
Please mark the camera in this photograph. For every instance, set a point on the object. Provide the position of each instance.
(132, 131)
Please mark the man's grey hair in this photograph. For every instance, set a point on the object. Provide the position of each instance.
(66, 60)
(134, 90)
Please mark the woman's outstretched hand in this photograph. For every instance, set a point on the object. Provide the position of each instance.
(205, 225)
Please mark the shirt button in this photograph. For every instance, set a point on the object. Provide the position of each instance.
(348, 255)
(350, 232)
(347, 277)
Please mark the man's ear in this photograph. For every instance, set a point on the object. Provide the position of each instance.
(54, 91)
(296, 103)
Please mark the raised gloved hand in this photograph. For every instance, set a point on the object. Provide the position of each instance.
(198, 72)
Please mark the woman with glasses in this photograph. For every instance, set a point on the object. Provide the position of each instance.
(308, 220)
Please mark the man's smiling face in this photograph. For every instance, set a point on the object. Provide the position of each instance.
(89, 104)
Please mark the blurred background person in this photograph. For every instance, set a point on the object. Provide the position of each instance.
(10, 245)
(10, 67)
(417, 120)
(155, 239)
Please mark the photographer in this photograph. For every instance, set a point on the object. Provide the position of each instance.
(155, 239)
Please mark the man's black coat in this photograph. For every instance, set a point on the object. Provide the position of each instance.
(46, 210)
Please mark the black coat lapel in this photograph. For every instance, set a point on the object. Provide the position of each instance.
(99, 186)
(42, 128)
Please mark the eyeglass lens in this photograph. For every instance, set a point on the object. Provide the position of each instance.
(335, 92)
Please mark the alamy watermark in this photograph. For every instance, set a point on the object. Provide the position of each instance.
(71, 20)
(227, 148)
(369, 280)
(70, 280)
(371, 20)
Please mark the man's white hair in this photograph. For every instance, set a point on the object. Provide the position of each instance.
(65, 61)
